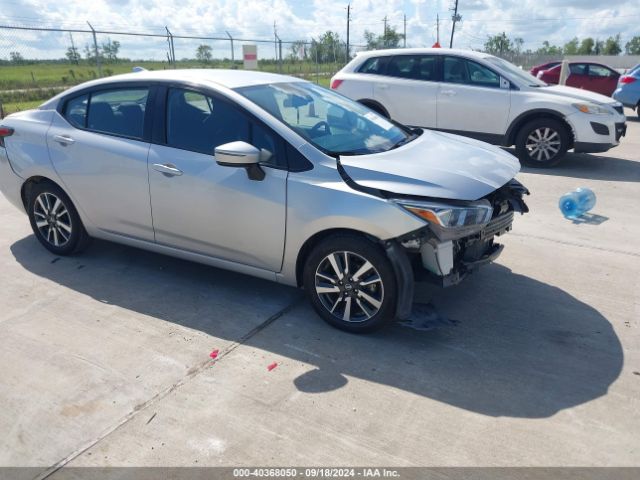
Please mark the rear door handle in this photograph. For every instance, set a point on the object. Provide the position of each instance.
(382, 86)
(448, 93)
(168, 169)
(64, 139)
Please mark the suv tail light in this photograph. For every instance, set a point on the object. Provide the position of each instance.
(625, 79)
(335, 83)
(5, 132)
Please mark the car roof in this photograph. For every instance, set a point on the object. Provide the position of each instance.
(223, 77)
(206, 76)
(422, 51)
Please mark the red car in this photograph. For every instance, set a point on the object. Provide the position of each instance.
(588, 76)
(545, 66)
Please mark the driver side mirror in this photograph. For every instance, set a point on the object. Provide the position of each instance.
(240, 154)
(505, 84)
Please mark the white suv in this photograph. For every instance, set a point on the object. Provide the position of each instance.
(484, 97)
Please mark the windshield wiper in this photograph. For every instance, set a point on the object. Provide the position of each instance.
(403, 141)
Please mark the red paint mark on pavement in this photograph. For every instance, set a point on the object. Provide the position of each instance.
(272, 366)
(214, 354)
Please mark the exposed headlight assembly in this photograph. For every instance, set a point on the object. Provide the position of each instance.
(592, 108)
(451, 217)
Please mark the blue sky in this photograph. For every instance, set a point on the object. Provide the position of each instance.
(533, 20)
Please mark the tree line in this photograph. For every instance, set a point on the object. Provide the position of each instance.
(502, 43)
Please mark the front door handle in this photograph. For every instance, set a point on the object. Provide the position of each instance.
(382, 86)
(64, 139)
(448, 93)
(168, 169)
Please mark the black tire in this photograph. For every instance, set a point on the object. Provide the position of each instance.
(371, 302)
(376, 108)
(553, 138)
(52, 228)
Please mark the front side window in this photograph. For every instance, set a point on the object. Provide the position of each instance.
(578, 68)
(415, 67)
(599, 71)
(118, 112)
(460, 70)
(200, 123)
(327, 120)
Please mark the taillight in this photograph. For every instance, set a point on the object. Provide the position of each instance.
(335, 83)
(5, 132)
(627, 79)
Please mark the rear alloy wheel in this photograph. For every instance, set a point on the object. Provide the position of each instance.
(55, 221)
(351, 283)
(542, 143)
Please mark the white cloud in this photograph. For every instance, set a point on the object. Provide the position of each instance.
(534, 20)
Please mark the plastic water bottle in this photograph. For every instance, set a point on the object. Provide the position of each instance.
(576, 203)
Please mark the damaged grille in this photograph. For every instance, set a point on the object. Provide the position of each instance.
(497, 226)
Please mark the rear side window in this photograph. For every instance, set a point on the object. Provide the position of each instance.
(374, 65)
(200, 123)
(414, 67)
(76, 111)
(578, 68)
(118, 112)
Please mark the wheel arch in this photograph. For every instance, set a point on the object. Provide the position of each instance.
(374, 105)
(25, 190)
(318, 237)
(523, 118)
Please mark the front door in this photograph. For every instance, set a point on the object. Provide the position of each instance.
(97, 147)
(470, 99)
(202, 207)
(602, 79)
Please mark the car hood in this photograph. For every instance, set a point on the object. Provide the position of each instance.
(435, 164)
(576, 94)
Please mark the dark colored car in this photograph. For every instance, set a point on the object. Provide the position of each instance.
(594, 77)
(545, 66)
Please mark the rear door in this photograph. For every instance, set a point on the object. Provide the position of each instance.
(99, 148)
(409, 89)
(471, 100)
(202, 207)
(602, 79)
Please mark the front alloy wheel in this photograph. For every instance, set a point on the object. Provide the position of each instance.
(351, 283)
(349, 287)
(542, 143)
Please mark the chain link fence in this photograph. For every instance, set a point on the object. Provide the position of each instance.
(37, 62)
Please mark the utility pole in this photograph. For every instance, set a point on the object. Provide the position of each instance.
(456, 18)
(232, 55)
(348, 22)
(384, 36)
(405, 31)
(73, 49)
(95, 46)
(438, 29)
(275, 39)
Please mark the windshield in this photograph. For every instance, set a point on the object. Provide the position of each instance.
(331, 122)
(513, 71)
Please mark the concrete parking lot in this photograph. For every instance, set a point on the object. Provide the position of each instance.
(532, 361)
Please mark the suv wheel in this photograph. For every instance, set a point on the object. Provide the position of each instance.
(351, 283)
(542, 143)
(55, 221)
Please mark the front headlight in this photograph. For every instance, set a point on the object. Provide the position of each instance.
(450, 216)
(592, 108)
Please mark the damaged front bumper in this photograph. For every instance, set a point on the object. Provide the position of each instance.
(446, 256)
